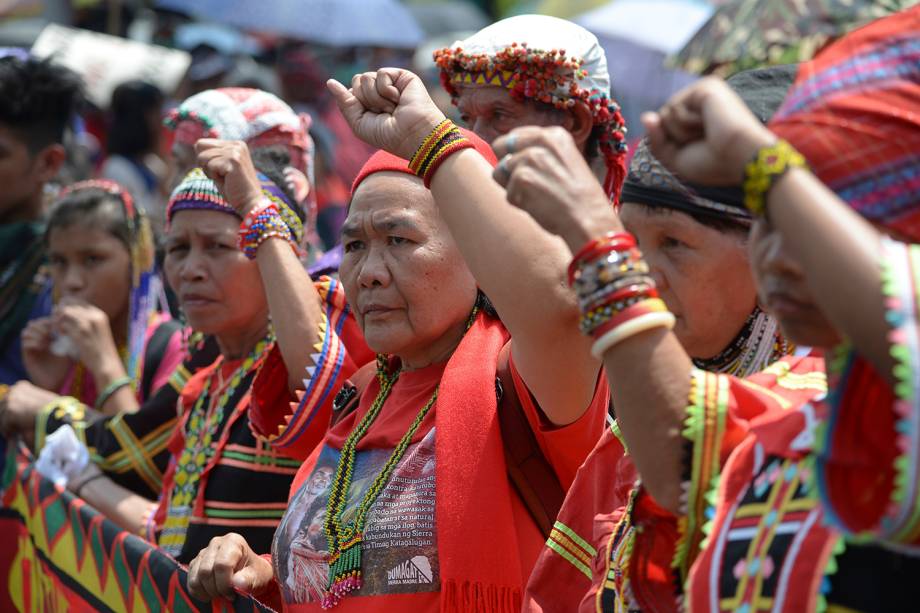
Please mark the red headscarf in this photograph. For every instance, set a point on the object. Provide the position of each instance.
(854, 113)
(383, 161)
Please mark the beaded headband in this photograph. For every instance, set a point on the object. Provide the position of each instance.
(198, 192)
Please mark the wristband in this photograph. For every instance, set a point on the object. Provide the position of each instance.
(764, 170)
(261, 224)
(631, 328)
(110, 389)
(443, 141)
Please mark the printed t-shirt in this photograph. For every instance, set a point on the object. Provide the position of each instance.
(400, 559)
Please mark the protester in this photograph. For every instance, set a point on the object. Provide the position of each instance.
(413, 266)
(694, 241)
(769, 537)
(96, 345)
(38, 100)
(542, 71)
(133, 147)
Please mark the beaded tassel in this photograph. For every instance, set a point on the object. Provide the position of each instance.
(344, 572)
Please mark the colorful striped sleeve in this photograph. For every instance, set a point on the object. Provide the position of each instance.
(871, 441)
(294, 426)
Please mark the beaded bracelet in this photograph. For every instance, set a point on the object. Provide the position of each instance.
(764, 170)
(110, 390)
(442, 142)
(612, 242)
(260, 225)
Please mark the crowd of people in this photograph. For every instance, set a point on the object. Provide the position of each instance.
(540, 372)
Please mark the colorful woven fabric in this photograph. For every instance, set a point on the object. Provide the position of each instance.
(854, 113)
(257, 117)
(59, 554)
(548, 60)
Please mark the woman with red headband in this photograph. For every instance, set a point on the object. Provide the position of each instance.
(409, 500)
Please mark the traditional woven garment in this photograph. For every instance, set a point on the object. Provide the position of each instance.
(803, 475)
(22, 253)
(855, 116)
(547, 60)
(586, 555)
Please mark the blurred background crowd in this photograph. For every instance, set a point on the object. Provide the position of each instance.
(140, 58)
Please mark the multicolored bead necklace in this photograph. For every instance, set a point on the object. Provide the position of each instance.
(759, 344)
(202, 427)
(345, 539)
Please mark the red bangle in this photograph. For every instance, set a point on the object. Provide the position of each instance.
(612, 241)
(626, 293)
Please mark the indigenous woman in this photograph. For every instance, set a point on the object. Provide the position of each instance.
(105, 344)
(407, 502)
(218, 474)
(757, 459)
(694, 240)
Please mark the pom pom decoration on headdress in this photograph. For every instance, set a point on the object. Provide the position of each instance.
(547, 60)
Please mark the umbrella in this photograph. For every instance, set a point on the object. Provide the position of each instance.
(339, 23)
(437, 18)
(637, 36)
(744, 34)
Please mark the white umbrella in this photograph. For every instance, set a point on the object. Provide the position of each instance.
(637, 36)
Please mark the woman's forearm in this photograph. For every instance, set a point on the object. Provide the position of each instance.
(294, 303)
(121, 505)
(840, 254)
(522, 270)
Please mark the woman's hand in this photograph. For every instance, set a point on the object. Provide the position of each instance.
(229, 165)
(45, 369)
(88, 327)
(706, 134)
(389, 109)
(546, 175)
(227, 565)
(20, 405)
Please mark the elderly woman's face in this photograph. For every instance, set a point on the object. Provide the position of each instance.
(219, 289)
(702, 274)
(403, 274)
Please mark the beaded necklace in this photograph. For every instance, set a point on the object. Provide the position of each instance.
(202, 427)
(344, 539)
(758, 345)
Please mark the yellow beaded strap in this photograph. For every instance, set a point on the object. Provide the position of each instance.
(761, 173)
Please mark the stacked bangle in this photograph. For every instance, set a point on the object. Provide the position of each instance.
(618, 298)
(110, 390)
(260, 225)
(764, 170)
(442, 142)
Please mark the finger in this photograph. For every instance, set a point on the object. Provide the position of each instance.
(350, 107)
(501, 173)
(521, 139)
(386, 86)
(371, 98)
(225, 565)
(204, 144)
(205, 573)
(194, 581)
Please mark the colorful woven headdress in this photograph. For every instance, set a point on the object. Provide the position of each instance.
(854, 113)
(257, 117)
(545, 59)
(198, 192)
(146, 287)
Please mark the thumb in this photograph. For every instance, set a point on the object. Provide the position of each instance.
(249, 580)
(350, 107)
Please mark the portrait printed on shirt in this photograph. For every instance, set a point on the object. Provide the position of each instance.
(399, 551)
